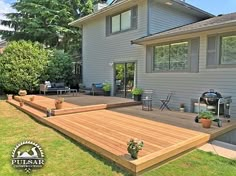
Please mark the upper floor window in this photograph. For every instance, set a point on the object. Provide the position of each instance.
(171, 57)
(126, 20)
(221, 50)
(121, 22)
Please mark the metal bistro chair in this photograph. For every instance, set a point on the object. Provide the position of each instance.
(166, 101)
(147, 100)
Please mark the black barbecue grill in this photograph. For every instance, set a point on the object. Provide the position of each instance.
(215, 103)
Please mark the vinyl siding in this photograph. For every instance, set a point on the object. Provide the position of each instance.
(99, 50)
(187, 86)
(163, 17)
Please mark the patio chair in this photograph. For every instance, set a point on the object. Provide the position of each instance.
(147, 100)
(165, 102)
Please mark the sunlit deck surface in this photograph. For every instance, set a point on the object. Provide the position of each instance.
(165, 134)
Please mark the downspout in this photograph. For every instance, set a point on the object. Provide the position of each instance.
(148, 17)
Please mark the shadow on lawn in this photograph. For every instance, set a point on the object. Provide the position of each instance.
(106, 161)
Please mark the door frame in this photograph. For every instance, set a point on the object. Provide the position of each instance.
(114, 73)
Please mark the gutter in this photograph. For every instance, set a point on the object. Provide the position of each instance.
(79, 21)
(150, 38)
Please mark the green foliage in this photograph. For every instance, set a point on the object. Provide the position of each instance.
(47, 22)
(106, 87)
(22, 64)
(134, 145)
(206, 115)
(59, 67)
(137, 91)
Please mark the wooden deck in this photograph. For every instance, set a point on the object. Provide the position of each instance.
(107, 133)
(76, 104)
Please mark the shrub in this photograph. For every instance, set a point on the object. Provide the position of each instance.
(106, 87)
(59, 67)
(21, 66)
(137, 91)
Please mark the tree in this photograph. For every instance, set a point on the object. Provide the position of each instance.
(59, 67)
(46, 21)
(22, 64)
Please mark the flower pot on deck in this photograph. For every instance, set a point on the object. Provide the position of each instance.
(206, 123)
(107, 93)
(9, 96)
(21, 104)
(58, 105)
(137, 97)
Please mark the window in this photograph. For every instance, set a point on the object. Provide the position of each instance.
(228, 50)
(121, 22)
(171, 57)
(221, 50)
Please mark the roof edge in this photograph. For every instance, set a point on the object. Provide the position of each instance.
(79, 22)
(140, 41)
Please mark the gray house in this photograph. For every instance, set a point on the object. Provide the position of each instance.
(164, 45)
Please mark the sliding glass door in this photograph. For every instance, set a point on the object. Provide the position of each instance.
(124, 79)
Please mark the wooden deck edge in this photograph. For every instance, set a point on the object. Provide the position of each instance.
(125, 104)
(66, 111)
(117, 159)
(32, 104)
(221, 132)
(148, 161)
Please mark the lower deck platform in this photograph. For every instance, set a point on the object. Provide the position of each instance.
(107, 132)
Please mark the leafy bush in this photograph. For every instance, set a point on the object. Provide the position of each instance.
(137, 91)
(59, 67)
(106, 87)
(21, 66)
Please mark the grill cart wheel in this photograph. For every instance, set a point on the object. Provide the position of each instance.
(197, 119)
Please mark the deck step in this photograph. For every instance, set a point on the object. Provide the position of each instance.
(28, 109)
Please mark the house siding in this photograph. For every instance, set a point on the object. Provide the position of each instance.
(187, 86)
(163, 17)
(99, 50)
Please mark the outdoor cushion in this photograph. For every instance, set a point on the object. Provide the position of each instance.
(48, 84)
(59, 85)
(99, 85)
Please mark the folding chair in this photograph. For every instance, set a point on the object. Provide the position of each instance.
(165, 102)
(147, 100)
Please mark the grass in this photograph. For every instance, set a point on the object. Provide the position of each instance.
(67, 157)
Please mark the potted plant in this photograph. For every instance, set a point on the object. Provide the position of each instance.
(107, 89)
(49, 112)
(32, 98)
(21, 102)
(137, 92)
(59, 103)
(9, 96)
(134, 145)
(206, 118)
(181, 107)
(22, 92)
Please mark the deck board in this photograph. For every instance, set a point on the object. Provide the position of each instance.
(107, 133)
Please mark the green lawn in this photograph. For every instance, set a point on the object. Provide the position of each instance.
(65, 157)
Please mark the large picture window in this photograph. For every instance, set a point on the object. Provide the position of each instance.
(228, 50)
(171, 57)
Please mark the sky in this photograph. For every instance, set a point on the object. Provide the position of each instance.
(215, 7)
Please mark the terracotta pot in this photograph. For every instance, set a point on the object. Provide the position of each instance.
(58, 105)
(206, 123)
(9, 97)
(21, 104)
(32, 98)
